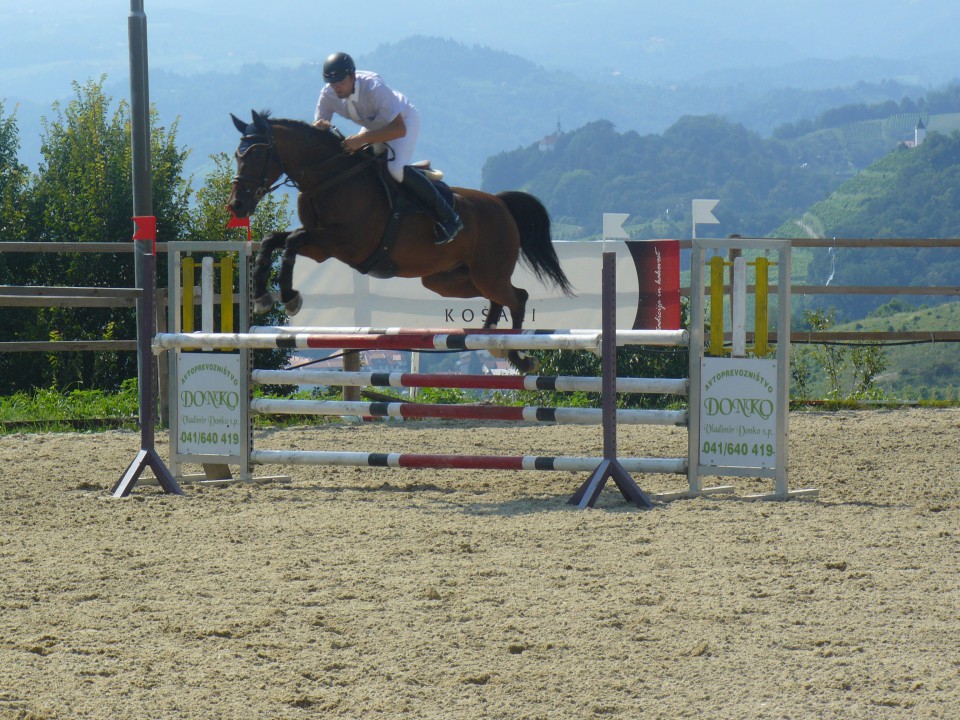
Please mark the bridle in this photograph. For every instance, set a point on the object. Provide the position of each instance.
(260, 183)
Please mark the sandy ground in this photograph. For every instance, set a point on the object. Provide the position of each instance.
(369, 593)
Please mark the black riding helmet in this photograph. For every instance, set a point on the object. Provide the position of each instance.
(337, 67)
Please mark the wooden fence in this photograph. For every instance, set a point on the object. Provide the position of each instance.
(21, 296)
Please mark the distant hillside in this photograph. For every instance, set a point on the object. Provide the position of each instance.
(476, 102)
(910, 193)
(759, 181)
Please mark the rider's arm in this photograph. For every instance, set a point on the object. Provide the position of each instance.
(396, 128)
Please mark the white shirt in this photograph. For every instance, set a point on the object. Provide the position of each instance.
(372, 105)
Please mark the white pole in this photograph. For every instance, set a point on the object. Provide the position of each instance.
(414, 368)
(739, 322)
(206, 294)
(783, 368)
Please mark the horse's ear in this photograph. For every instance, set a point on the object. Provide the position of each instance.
(238, 123)
(259, 121)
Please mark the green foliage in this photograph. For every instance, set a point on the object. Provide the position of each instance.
(14, 180)
(55, 409)
(762, 181)
(14, 267)
(83, 193)
(912, 371)
(858, 365)
(442, 396)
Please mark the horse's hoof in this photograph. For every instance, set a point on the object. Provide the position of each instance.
(294, 304)
(531, 364)
(524, 364)
(263, 304)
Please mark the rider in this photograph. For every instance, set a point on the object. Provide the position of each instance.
(386, 116)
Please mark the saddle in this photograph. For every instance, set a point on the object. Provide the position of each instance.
(380, 264)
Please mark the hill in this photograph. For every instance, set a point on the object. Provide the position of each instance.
(476, 101)
(909, 193)
(760, 181)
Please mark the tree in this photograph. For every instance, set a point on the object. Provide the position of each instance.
(83, 193)
(14, 267)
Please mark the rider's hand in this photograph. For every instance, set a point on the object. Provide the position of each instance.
(322, 124)
(354, 143)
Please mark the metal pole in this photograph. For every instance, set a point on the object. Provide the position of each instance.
(588, 493)
(140, 110)
(145, 260)
(140, 148)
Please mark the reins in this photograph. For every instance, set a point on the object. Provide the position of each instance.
(266, 140)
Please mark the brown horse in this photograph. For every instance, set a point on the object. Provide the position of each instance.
(345, 210)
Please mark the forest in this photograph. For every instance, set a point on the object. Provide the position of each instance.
(828, 182)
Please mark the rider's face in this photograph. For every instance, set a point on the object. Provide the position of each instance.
(344, 88)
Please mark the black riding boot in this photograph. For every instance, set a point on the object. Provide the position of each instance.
(425, 192)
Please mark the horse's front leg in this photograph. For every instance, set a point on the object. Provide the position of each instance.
(262, 299)
(291, 299)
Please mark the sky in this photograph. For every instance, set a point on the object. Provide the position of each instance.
(49, 43)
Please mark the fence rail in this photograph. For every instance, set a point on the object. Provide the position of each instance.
(24, 296)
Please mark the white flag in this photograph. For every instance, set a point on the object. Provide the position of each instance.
(613, 225)
(703, 212)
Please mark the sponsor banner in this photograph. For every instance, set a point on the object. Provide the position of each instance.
(658, 273)
(336, 296)
(738, 413)
(209, 404)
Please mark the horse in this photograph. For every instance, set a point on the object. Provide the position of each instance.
(347, 212)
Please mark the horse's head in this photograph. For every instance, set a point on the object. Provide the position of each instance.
(258, 165)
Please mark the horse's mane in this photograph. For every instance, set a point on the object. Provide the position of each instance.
(298, 125)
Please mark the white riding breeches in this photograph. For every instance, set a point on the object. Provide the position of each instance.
(402, 149)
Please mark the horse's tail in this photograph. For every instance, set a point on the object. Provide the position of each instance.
(536, 245)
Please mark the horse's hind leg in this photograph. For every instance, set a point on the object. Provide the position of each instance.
(520, 360)
(515, 299)
(262, 299)
(461, 283)
(494, 313)
(516, 357)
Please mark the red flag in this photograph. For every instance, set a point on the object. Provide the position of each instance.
(235, 222)
(145, 228)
